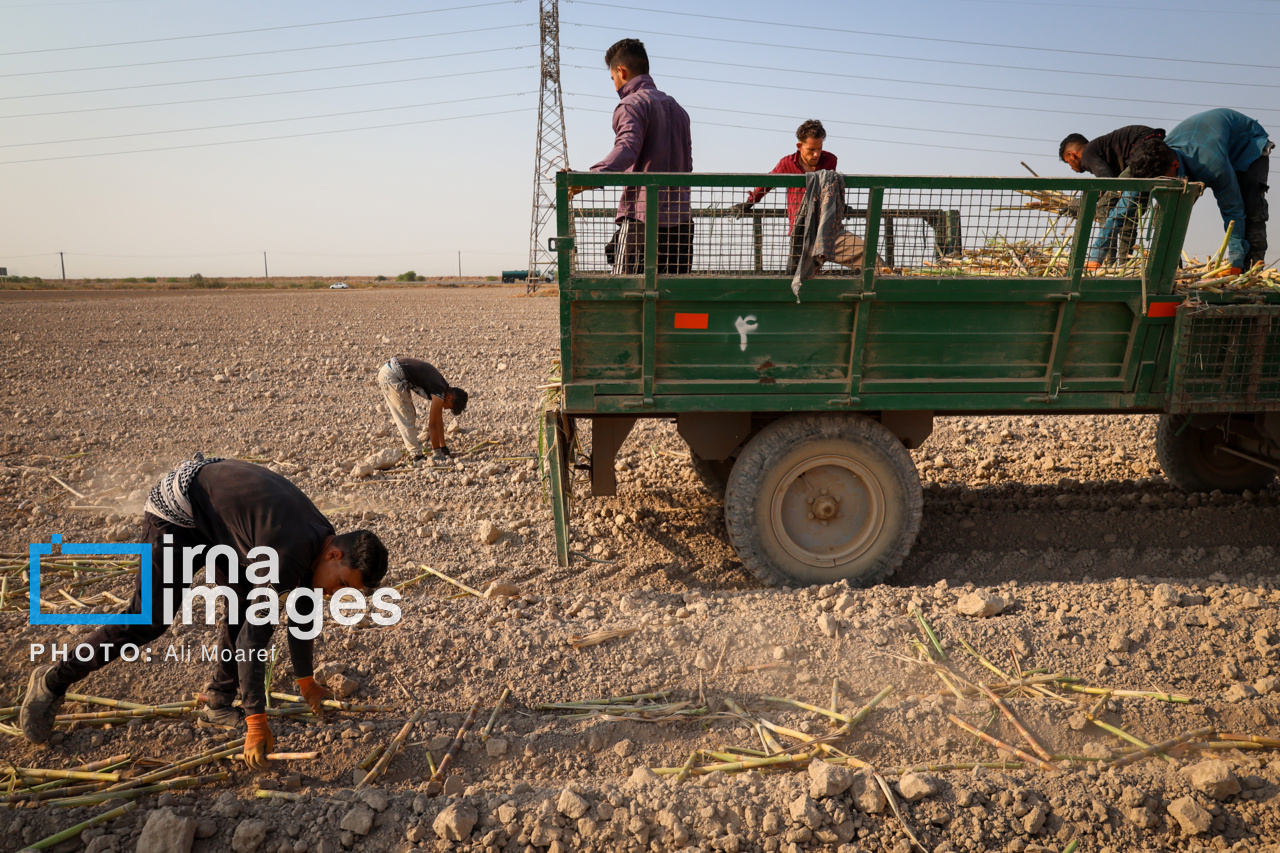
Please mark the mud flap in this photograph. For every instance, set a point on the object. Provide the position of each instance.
(557, 428)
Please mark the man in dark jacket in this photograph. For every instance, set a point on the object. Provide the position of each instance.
(1231, 154)
(651, 134)
(1107, 156)
(200, 505)
(399, 379)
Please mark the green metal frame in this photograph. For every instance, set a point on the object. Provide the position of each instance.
(872, 342)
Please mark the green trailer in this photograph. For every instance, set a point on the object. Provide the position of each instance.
(981, 302)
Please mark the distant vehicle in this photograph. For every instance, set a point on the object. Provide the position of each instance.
(341, 285)
(509, 276)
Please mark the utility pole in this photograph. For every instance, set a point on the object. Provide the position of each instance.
(63, 261)
(553, 149)
(265, 274)
(459, 264)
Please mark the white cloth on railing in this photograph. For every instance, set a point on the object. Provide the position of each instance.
(823, 207)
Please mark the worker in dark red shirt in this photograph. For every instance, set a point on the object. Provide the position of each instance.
(808, 157)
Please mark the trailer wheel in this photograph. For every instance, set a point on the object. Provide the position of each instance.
(713, 473)
(1193, 461)
(819, 498)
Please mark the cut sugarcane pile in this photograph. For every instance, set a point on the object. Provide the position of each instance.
(1204, 276)
(1052, 201)
(1002, 258)
(59, 577)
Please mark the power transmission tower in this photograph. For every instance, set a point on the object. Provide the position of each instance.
(553, 149)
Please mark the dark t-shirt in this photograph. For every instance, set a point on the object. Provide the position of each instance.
(424, 380)
(1106, 156)
(246, 506)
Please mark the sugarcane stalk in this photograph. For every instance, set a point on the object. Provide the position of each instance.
(493, 718)
(835, 695)
(392, 749)
(134, 793)
(999, 744)
(459, 584)
(843, 718)
(1123, 735)
(372, 758)
(278, 795)
(1165, 746)
(336, 704)
(1128, 694)
(74, 831)
(78, 775)
(1259, 739)
(733, 766)
(206, 757)
(1072, 847)
(1017, 724)
(282, 756)
(867, 708)
(893, 804)
(437, 778)
(688, 766)
(928, 630)
(122, 714)
(1222, 250)
(969, 765)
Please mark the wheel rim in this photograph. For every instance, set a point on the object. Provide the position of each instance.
(1217, 464)
(827, 510)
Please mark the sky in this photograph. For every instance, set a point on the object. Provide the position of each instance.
(174, 137)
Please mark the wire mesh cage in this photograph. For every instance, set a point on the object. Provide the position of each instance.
(1227, 359)
(723, 231)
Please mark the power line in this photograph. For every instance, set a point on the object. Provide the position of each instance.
(904, 98)
(268, 94)
(878, 79)
(261, 29)
(1054, 8)
(829, 30)
(265, 74)
(894, 56)
(856, 138)
(836, 121)
(262, 52)
(264, 138)
(263, 121)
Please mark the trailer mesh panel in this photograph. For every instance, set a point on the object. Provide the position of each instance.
(923, 232)
(1221, 363)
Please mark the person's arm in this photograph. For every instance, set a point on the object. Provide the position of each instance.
(628, 137)
(1226, 191)
(1096, 165)
(435, 423)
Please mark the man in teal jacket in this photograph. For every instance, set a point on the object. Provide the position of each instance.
(1228, 152)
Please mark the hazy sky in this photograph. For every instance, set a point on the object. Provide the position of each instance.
(170, 137)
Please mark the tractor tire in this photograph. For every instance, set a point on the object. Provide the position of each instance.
(1190, 458)
(713, 473)
(814, 499)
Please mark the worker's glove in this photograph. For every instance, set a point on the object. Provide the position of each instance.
(440, 454)
(742, 208)
(1229, 272)
(314, 693)
(1092, 266)
(258, 743)
(1072, 208)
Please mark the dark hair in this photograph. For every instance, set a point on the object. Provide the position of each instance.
(459, 400)
(363, 551)
(1150, 158)
(811, 129)
(630, 54)
(1071, 140)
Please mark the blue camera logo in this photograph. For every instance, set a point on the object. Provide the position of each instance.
(143, 552)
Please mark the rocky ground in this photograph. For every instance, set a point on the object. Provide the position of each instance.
(1060, 528)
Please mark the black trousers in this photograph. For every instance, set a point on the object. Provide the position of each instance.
(625, 251)
(1253, 190)
(107, 640)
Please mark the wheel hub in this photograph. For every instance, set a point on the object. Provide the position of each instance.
(827, 510)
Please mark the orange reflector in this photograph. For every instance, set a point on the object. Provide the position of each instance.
(691, 321)
(1162, 309)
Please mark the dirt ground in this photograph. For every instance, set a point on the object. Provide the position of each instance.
(1103, 572)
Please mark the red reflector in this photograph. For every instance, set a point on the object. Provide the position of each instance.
(1162, 309)
(691, 321)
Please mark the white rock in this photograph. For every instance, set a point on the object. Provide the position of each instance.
(167, 832)
(455, 822)
(917, 786)
(1213, 778)
(1190, 815)
(980, 605)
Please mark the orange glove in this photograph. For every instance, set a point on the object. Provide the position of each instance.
(315, 694)
(1229, 272)
(1092, 265)
(259, 742)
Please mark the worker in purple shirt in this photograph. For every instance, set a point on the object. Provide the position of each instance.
(651, 134)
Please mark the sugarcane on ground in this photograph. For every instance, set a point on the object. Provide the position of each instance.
(1106, 580)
